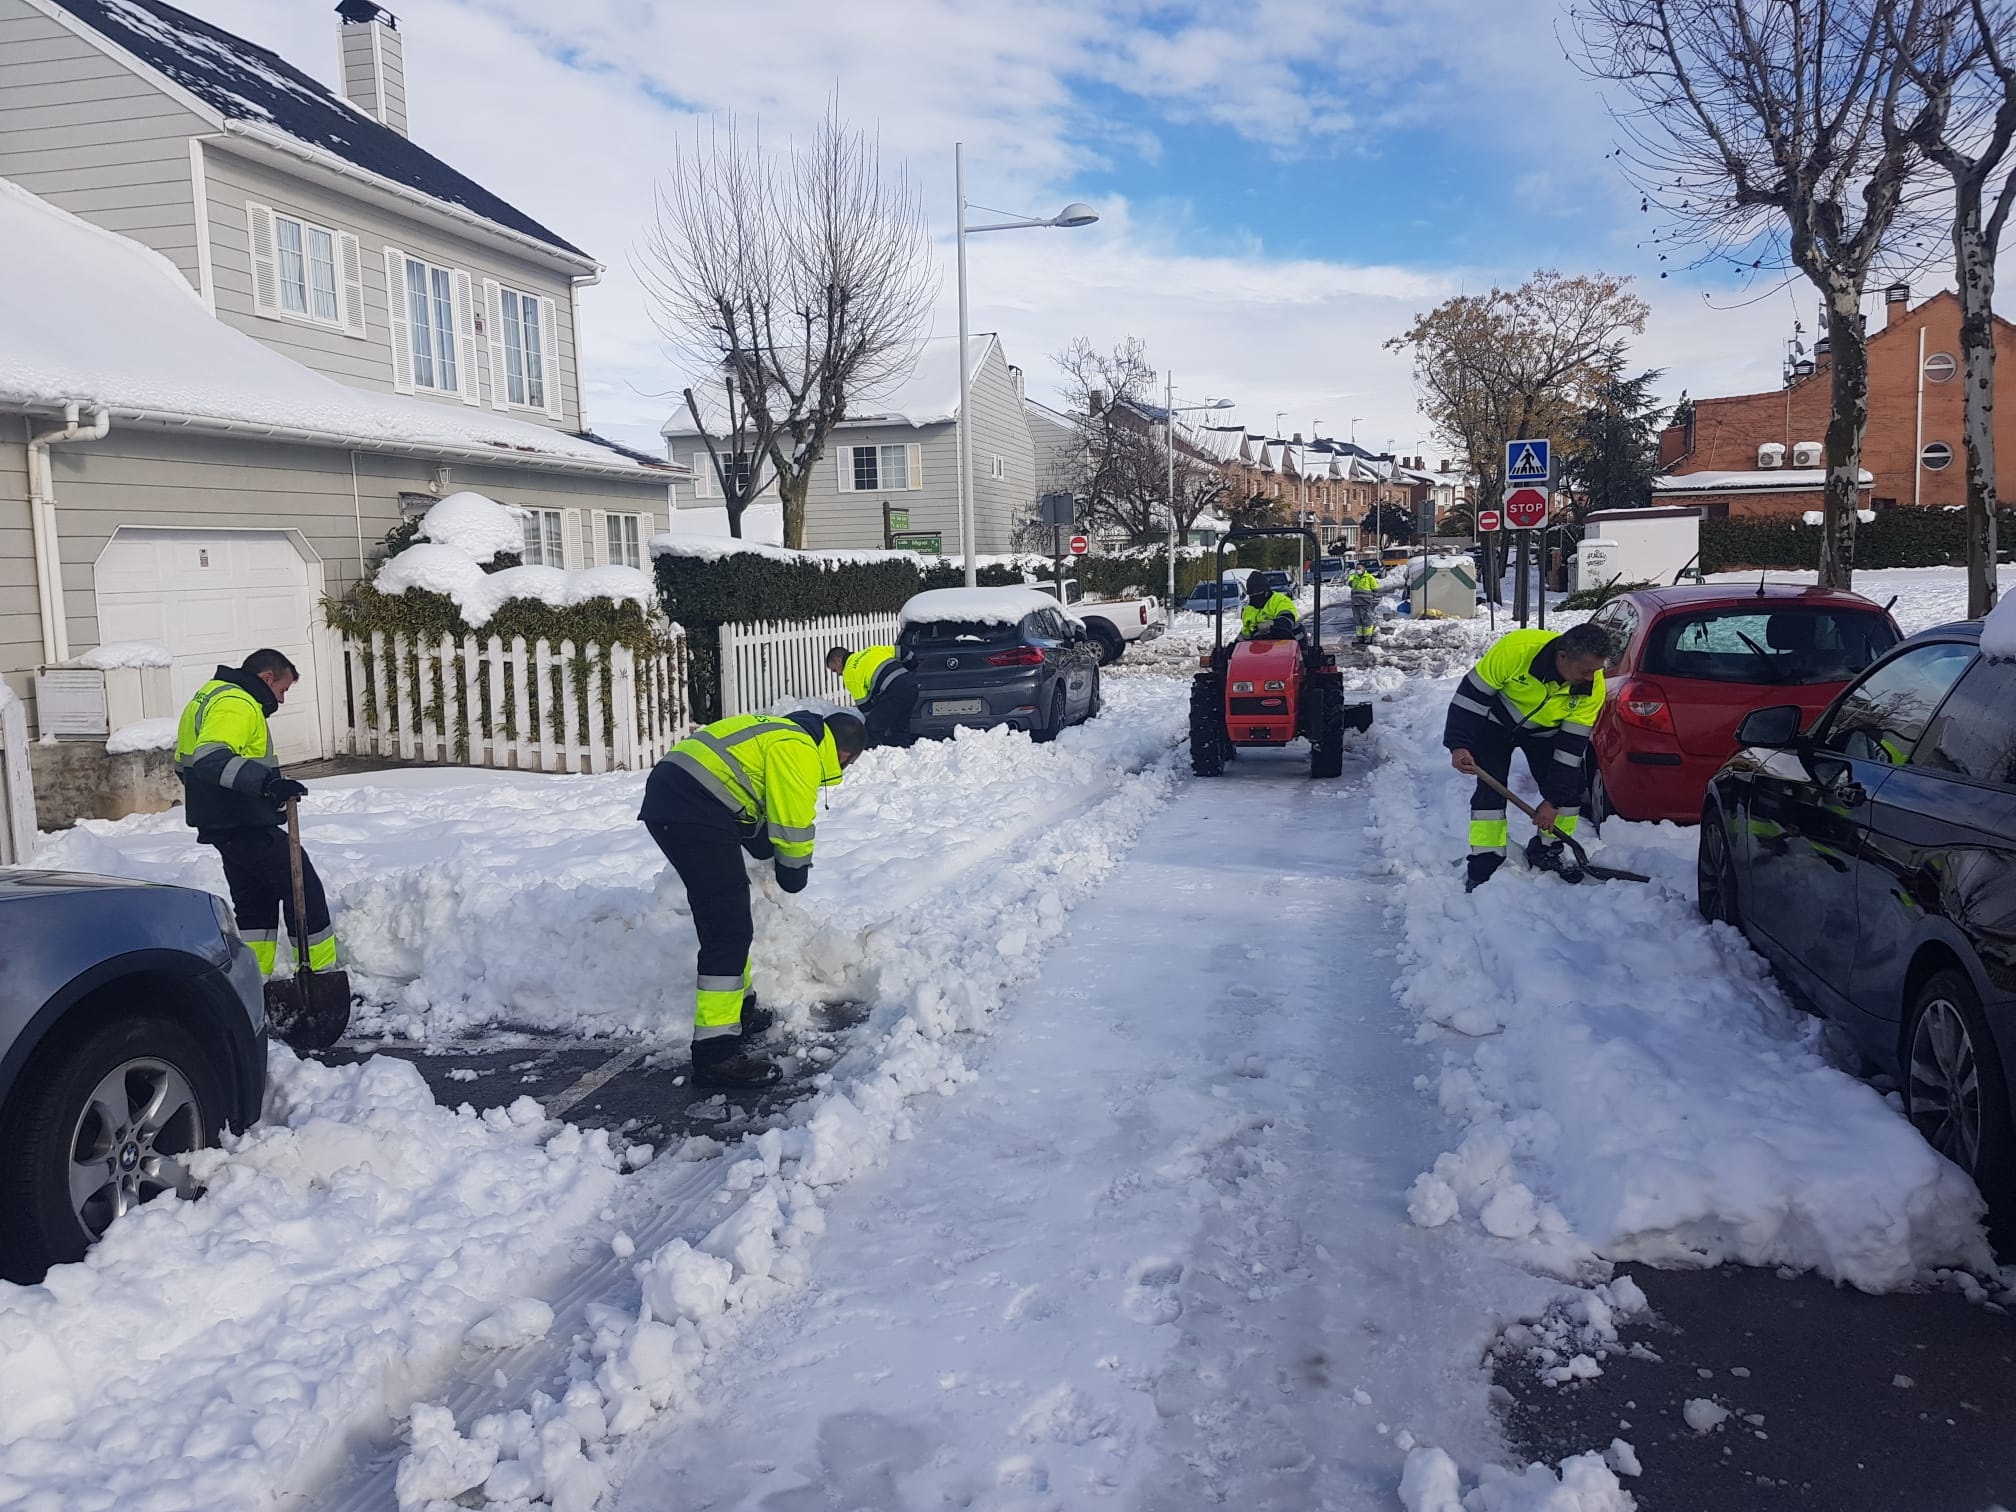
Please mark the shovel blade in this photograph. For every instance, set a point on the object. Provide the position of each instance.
(310, 1010)
(1612, 874)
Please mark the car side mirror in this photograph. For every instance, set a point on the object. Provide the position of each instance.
(1774, 728)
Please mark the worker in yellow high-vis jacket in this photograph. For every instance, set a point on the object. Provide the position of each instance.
(235, 796)
(1538, 691)
(748, 783)
(882, 687)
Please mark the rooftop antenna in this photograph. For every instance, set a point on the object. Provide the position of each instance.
(1760, 582)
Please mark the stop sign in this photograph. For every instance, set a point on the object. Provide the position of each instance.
(1080, 545)
(1489, 520)
(1525, 508)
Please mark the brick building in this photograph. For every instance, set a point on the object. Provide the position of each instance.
(1753, 454)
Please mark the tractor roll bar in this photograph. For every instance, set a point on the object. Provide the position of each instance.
(1316, 624)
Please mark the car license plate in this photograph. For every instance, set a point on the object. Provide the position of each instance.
(948, 706)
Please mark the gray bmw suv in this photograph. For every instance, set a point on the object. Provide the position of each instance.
(132, 1032)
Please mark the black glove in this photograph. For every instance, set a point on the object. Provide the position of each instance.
(793, 878)
(279, 789)
(759, 846)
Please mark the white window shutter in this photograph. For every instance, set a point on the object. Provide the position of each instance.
(350, 273)
(704, 480)
(398, 309)
(570, 540)
(598, 538)
(549, 357)
(846, 457)
(265, 262)
(493, 316)
(465, 339)
(914, 456)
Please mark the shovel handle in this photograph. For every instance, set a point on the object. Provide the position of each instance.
(1530, 812)
(300, 887)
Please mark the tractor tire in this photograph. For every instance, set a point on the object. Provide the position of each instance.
(1326, 720)
(1207, 727)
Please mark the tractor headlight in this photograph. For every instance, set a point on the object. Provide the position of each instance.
(1276, 685)
(1242, 687)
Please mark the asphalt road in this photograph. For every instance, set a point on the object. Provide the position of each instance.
(1899, 1403)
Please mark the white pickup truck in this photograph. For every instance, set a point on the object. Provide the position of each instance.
(1114, 624)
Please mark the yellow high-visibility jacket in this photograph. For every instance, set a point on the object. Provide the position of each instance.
(868, 672)
(768, 770)
(224, 754)
(1278, 604)
(1507, 689)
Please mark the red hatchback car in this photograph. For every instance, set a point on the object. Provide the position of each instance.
(1695, 661)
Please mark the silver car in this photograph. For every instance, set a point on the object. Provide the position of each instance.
(1039, 673)
(132, 1032)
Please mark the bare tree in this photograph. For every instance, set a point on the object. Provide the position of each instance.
(1118, 461)
(799, 284)
(1757, 127)
(1963, 117)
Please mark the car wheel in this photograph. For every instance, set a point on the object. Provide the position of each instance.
(1051, 727)
(1098, 699)
(1107, 639)
(1954, 1091)
(102, 1126)
(1597, 810)
(1715, 871)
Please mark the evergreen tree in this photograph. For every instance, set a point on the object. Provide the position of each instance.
(1612, 453)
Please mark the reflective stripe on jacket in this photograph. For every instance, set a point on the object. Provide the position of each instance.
(1278, 604)
(868, 672)
(768, 770)
(1364, 590)
(224, 755)
(1517, 687)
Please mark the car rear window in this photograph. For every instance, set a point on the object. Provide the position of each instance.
(1781, 646)
(943, 633)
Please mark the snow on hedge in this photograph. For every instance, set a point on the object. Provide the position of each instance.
(976, 606)
(477, 526)
(126, 654)
(1629, 1081)
(474, 530)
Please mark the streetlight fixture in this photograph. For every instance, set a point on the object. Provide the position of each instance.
(1072, 215)
(1169, 413)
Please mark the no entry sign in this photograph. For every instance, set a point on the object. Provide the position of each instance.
(1489, 520)
(1080, 545)
(1526, 508)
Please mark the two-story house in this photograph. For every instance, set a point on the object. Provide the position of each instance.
(422, 336)
(897, 455)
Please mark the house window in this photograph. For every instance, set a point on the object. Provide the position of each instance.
(1940, 366)
(524, 350)
(545, 545)
(625, 540)
(881, 469)
(1937, 456)
(707, 483)
(997, 467)
(430, 314)
(306, 254)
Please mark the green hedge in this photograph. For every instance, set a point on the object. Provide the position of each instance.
(1899, 537)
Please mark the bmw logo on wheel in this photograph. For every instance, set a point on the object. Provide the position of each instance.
(951, 662)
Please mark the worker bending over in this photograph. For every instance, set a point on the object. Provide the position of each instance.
(1538, 691)
(1268, 614)
(750, 783)
(882, 687)
(235, 797)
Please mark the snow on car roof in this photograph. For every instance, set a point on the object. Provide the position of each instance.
(977, 606)
(1998, 631)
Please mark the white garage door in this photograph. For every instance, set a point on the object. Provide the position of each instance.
(212, 597)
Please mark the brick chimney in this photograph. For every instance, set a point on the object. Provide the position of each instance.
(374, 62)
(1896, 304)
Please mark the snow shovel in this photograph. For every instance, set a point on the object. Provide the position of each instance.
(1589, 868)
(311, 1009)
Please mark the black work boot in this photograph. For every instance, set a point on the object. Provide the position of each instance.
(1552, 856)
(1482, 865)
(738, 1071)
(756, 1021)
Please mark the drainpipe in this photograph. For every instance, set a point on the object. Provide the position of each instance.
(42, 518)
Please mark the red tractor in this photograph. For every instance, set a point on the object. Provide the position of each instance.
(1266, 689)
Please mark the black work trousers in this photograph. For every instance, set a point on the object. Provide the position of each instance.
(887, 713)
(262, 892)
(1560, 784)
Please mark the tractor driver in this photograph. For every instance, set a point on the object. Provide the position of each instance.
(1268, 614)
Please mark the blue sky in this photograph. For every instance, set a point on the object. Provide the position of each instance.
(1283, 184)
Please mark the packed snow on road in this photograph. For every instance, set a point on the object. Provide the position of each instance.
(1200, 1141)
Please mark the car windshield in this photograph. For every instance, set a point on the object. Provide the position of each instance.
(1781, 646)
(940, 635)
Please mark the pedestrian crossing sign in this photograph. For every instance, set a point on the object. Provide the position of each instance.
(1527, 462)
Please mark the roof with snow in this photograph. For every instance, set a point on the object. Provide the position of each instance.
(1766, 480)
(245, 82)
(927, 395)
(136, 340)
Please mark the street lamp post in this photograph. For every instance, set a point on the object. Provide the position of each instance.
(1073, 214)
(1169, 436)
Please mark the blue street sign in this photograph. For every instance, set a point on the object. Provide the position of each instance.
(1527, 462)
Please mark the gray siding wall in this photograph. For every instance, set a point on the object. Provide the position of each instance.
(851, 521)
(156, 478)
(366, 361)
(90, 135)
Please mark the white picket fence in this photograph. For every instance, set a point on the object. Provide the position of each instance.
(764, 661)
(17, 785)
(533, 707)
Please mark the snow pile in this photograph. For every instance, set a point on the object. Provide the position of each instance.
(126, 654)
(142, 735)
(697, 525)
(1586, 1483)
(976, 606)
(144, 343)
(1998, 631)
(478, 527)
(345, 1251)
(452, 572)
(1630, 1082)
